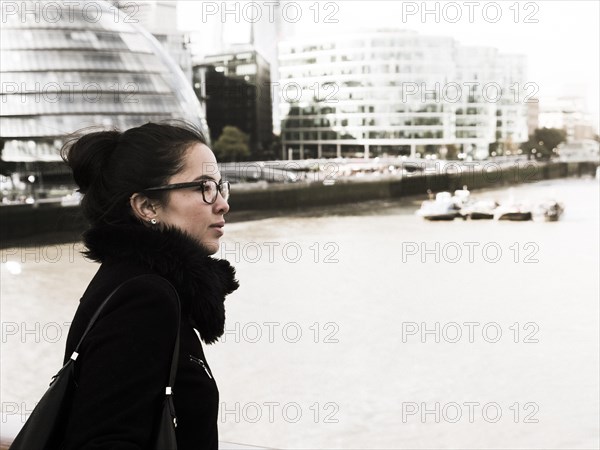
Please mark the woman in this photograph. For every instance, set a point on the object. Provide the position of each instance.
(155, 201)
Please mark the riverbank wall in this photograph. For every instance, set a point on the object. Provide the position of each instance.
(35, 224)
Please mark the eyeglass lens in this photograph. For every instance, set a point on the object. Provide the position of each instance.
(211, 189)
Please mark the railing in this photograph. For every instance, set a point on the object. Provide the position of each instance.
(4, 445)
(11, 424)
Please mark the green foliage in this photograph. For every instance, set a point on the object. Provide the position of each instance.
(452, 153)
(4, 166)
(232, 145)
(550, 137)
(274, 150)
(544, 141)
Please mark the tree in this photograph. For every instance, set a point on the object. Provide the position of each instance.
(452, 153)
(232, 145)
(493, 148)
(550, 137)
(5, 167)
(274, 150)
(544, 141)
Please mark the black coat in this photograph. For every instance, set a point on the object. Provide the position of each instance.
(124, 362)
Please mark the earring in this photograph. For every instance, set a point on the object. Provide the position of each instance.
(153, 221)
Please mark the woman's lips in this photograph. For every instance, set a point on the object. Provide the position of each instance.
(218, 227)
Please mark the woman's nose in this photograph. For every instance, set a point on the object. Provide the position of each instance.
(221, 205)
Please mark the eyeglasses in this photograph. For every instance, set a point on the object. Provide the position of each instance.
(209, 189)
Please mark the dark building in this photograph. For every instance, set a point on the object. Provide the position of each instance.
(237, 89)
(229, 101)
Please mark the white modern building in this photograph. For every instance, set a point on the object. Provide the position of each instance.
(569, 113)
(394, 92)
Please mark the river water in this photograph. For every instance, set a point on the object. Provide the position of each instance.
(363, 326)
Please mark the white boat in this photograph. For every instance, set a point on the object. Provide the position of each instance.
(480, 209)
(473, 209)
(442, 208)
(548, 211)
(462, 197)
(513, 211)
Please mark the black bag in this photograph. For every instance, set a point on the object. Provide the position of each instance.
(45, 427)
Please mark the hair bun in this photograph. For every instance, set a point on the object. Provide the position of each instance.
(88, 154)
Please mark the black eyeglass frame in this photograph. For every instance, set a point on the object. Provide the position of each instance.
(192, 184)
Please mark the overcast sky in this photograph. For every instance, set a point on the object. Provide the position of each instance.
(560, 38)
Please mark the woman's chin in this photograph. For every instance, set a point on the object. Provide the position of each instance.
(211, 247)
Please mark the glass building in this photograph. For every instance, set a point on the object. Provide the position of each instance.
(66, 66)
(394, 92)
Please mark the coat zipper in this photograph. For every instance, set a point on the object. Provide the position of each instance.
(199, 361)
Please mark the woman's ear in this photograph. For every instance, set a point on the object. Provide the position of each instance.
(143, 208)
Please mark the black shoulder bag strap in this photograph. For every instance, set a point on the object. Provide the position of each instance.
(165, 438)
(165, 435)
(94, 318)
(44, 429)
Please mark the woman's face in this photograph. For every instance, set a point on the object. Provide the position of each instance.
(186, 209)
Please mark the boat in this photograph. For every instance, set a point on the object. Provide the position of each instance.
(480, 209)
(462, 197)
(517, 216)
(442, 208)
(474, 209)
(448, 207)
(548, 211)
(513, 211)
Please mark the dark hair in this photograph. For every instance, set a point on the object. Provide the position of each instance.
(110, 166)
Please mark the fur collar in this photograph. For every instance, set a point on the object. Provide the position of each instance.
(201, 281)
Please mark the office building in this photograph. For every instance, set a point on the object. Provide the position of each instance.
(569, 113)
(215, 36)
(394, 92)
(533, 116)
(236, 87)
